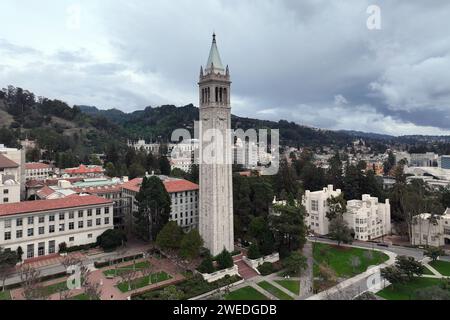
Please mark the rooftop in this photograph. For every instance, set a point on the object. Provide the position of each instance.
(36, 165)
(171, 185)
(46, 205)
(7, 163)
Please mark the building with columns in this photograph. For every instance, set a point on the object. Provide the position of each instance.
(216, 188)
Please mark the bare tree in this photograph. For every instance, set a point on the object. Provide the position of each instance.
(147, 271)
(355, 262)
(32, 288)
(127, 276)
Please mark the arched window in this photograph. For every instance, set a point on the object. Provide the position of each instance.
(208, 93)
(203, 95)
(225, 94)
(217, 94)
(220, 95)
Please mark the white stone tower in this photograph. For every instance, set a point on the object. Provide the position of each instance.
(216, 186)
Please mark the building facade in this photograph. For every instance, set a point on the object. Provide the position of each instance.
(431, 230)
(316, 206)
(39, 227)
(37, 171)
(216, 188)
(369, 218)
(18, 157)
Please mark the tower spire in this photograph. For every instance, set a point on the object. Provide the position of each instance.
(214, 64)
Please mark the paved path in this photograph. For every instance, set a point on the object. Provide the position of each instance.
(307, 278)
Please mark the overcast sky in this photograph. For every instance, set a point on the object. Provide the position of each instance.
(310, 61)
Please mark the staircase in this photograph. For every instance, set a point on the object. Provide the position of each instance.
(244, 270)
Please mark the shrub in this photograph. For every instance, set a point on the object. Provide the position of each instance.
(62, 247)
(253, 252)
(111, 239)
(207, 265)
(224, 260)
(266, 268)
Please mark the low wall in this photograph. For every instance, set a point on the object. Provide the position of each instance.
(254, 264)
(211, 277)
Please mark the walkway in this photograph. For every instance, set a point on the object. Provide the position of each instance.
(244, 270)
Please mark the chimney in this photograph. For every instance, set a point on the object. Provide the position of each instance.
(125, 179)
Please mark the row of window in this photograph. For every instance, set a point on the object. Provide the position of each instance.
(51, 228)
(51, 218)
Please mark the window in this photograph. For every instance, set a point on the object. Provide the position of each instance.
(7, 224)
(80, 224)
(80, 214)
(30, 220)
(98, 211)
(90, 236)
(71, 226)
(314, 205)
(106, 210)
(7, 236)
(41, 219)
(89, 223)
(41, 230)
(51, 247)
(106, 221)
(5, 200)
(19, 222)
(30, 251)
(62, 227)
(51, 229)
(90, 213)
(72, 239)
(5, 191)
(51, 218)
(71, 215)
(41, 249)
(98, 222)
(30, 232)
(62, 216)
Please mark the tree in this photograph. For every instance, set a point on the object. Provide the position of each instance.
(171, 293)
(111, 239)
(432, 293)
(340, 232)
(253, 252)
(164, 165)
(32, 289)
(409, 266)
(337, 206)
(19, 253)
(127, 277)
(110, 169)
(434, 252)
(8, 260)
(355, 262)
(154, 209)
(288, 228)
(224, 260)
(295, 264)
(393, 275)
(327, 274)
(136, 170)
(191, 244)
(207, 265)
(170, 236)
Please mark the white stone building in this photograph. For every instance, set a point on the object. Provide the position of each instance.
(317, 207)
(18, 157)
(9, 180)
(184, 197)
(39, 227)
(141, 144)
(37, 171)
(369, 218)
(216, 187)
(432, 230)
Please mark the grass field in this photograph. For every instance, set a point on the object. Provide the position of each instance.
(338, 258)
(407, 291)
(5, 295)
(292, 285)
(443, 267)
(246, 293)
(427, 271)
(55, 288)
(139, 265)
(144, 281)
(274, 290)
(82, 296)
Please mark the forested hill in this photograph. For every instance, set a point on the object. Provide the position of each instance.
(158, 123)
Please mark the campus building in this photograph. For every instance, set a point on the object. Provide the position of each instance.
(369, 218)
(37, 171)
(18, 169)
(431, 230)
(39, 227)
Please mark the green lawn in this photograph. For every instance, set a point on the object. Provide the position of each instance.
(292, 285)
(144, 281)
(427, 271)
(443, 267)
(55, 288)
(274, 290)
(139, 265)
(338, 258)
(246, 293)
(5, 295)
(406, 291)
(81, 296)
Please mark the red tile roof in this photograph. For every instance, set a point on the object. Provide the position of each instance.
(46, 205)
(171, 186)
(82, 169)
(45, 192)
(36, 165)
(7, 163)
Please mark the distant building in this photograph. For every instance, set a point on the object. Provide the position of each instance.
(431, 230)
(445, 162)
(428, 159)
(38, 171)
(9, 180)
(317, 207)
(39, 227)
(369, 218)
(184, 198)
(84, 171)
(18, 157)
(141, 144)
